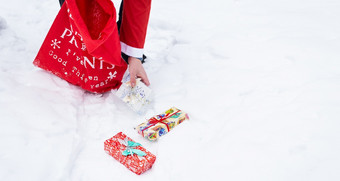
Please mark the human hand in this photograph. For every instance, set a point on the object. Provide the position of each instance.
(136, 70)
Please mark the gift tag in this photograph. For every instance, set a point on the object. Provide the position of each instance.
(137, 98)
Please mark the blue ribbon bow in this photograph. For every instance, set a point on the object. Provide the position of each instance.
(130, 149)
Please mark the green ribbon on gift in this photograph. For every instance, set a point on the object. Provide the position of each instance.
(130, 149)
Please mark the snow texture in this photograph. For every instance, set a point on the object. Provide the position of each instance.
(2, 24)
(259, 79)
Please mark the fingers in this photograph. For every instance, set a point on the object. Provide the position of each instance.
(136, 70)
(132, 79)
(145, 79)
(143, 76)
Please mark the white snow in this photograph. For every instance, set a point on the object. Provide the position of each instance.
(259, 79)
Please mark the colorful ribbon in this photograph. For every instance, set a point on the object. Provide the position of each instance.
(153, 121)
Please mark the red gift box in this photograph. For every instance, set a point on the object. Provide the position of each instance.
(119, 147)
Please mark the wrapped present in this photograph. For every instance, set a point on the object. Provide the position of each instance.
(137, 97)
(161, 124)
(129, 153)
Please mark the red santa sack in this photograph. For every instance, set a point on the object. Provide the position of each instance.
(83, 47)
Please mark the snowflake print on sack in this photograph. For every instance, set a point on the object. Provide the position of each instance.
(112, 75)
(55, 43)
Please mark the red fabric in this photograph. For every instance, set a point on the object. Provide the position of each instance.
(134, 22)
(83, 47)
(136, 164)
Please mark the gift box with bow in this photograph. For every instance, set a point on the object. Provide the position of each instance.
(129, 153)
(161, 124)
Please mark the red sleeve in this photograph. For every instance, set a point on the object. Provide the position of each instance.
(134, 26)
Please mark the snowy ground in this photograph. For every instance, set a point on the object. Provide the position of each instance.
(260, 80)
